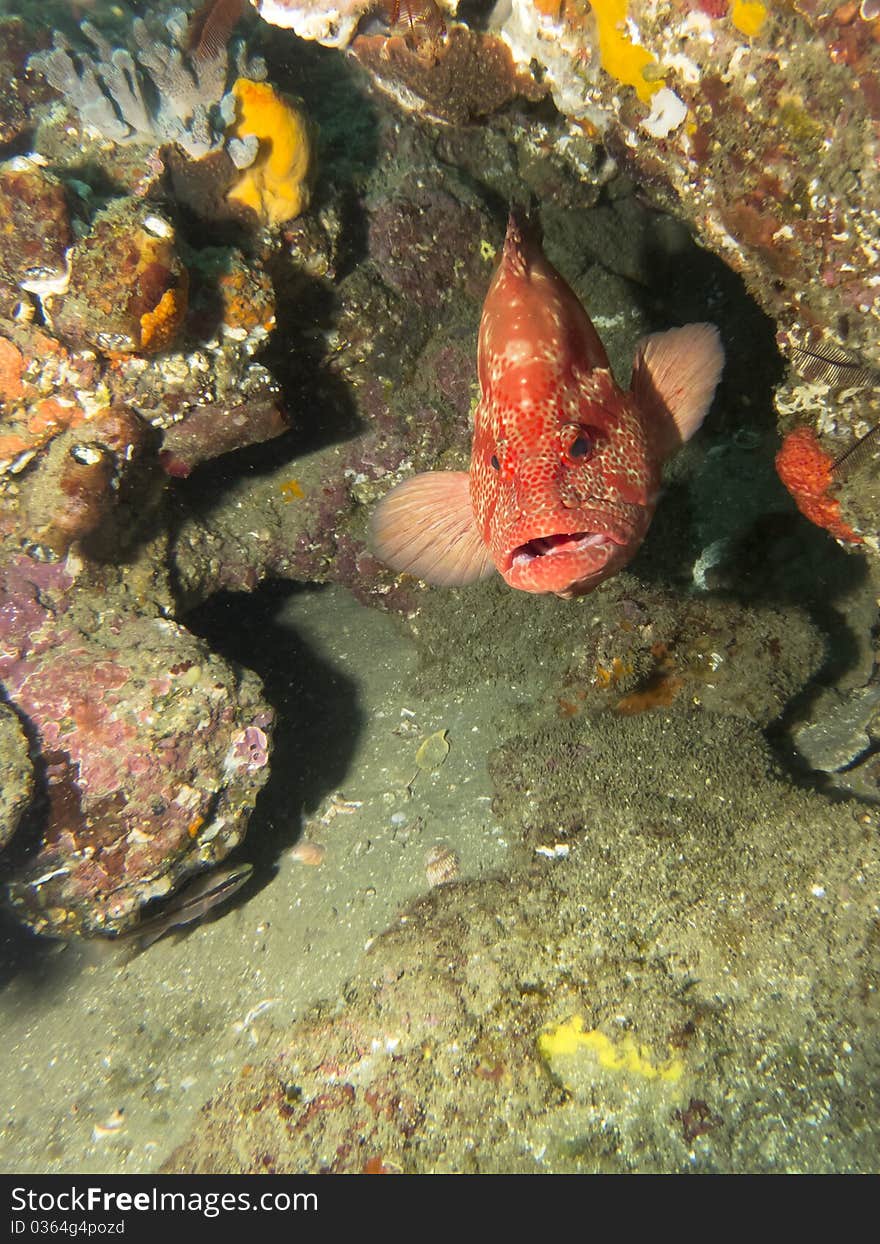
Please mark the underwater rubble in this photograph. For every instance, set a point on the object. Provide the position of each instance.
(685, 990)
(126, 360)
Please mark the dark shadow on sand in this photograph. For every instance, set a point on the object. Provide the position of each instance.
(318, 717)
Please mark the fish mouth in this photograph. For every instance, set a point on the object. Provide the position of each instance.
(565, 562)
(560, 542)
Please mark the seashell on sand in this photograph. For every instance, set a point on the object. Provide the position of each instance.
(110, 1127)
(311, 853)
(441, 865)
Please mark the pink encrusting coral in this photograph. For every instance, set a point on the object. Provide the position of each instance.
(151, 752)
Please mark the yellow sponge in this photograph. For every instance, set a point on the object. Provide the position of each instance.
(276, 185)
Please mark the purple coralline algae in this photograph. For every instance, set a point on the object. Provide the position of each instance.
(425, 243)
(150, 753)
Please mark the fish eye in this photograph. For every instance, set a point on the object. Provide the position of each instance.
(578, 442)
(496, 465)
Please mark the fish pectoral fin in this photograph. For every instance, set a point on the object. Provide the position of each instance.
(674, 378)
(425, 527)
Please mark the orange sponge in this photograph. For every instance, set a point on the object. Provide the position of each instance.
(808, 474)
(276, 185)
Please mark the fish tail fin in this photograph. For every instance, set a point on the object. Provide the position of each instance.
(425, 527)
(674, 379)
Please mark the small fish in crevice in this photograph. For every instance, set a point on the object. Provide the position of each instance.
(192, 903)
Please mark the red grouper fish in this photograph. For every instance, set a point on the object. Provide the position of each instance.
(565, 466)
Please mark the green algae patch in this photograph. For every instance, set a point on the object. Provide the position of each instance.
(573, 1054)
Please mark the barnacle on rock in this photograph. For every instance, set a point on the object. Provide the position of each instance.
(35, 232)
(70, 496)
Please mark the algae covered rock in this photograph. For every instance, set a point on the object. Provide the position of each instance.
(152, 751)
(128, 285)
(666, 993)
(16, 773)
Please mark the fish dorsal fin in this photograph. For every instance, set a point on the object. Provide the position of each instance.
(425, 527)
(673, 381)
